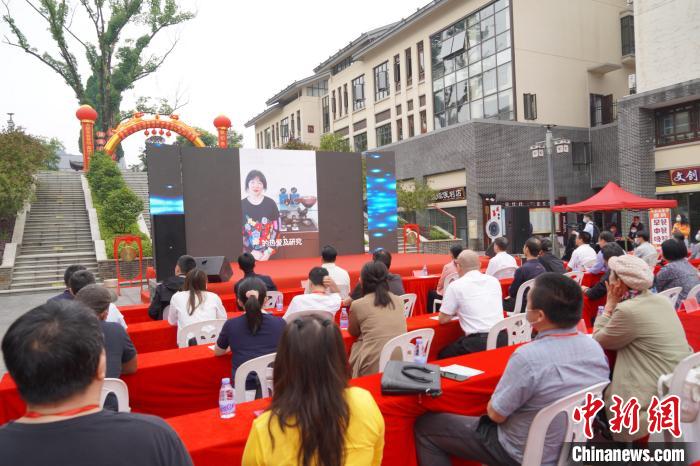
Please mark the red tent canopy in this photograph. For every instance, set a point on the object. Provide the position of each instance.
(613, 197)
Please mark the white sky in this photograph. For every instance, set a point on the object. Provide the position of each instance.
(231, 58)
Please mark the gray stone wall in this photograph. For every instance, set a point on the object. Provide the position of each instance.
(108, 268)
(605, 164)
(439, 246)
(5, 278)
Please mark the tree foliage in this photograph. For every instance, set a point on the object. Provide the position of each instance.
(416, 199)
(55, 147)
(333, 142)
(235, 139)
(21, 156)
(116, 62)
(121, 209)
(104, 176)
(296, 144)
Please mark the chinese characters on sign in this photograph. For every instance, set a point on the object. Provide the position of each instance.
(660, 225)
(685, 175)
(663, 415)
(450, 194)
(276, 243)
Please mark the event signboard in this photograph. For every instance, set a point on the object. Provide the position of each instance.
(660, 226)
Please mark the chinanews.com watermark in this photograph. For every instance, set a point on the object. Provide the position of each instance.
(612, 454)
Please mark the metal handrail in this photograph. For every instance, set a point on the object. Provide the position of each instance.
(452, 217)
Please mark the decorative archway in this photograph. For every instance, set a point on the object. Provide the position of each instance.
(87, 116)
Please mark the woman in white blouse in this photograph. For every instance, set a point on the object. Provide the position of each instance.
(195, 304)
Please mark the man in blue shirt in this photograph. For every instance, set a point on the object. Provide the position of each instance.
(70, 270)
(530, 269)
(605, 237)
(558, 362)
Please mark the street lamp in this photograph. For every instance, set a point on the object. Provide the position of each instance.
(10, 122)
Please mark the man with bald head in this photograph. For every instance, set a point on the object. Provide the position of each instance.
(475, 298)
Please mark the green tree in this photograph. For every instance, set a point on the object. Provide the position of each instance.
(296, 144)
(116, 62)
(333, 142)
(21, 156)
(416, 199)
(55, 147)
(104, 176)
(212, 140)
(121, 210)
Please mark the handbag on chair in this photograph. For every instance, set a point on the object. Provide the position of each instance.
(405, 378)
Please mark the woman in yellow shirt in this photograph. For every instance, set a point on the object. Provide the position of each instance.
(315, 419)
(682, 226)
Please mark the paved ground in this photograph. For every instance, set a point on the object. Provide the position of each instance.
(13, 306)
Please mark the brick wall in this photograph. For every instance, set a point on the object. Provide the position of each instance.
(440, 246)
(108, 269)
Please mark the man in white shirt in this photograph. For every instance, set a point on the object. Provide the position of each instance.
(339, 276)
(589, 226)
(502, 259)
(584, 255)
(645, 250)
(324, 296)
(476, 299)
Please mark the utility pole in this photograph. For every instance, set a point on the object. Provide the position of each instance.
(549, 143)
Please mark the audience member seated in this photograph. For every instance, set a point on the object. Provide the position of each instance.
(557, 363)
(645, 250)
(315, 417)
(55, 355)
(324, 296)
(600, 289)
(251, 335)
(570, 247)
(502, 260)
(119, 349)
(394, 281)
(448, 269)
(246, 262)
(530, 269)
(645, 331)
(171, 285)
(550, 262)
(338, 275)
(195, 304)
(605, 237)
(695, 248)
(70, 270)
(678, 271)
(476, 300)
(584, 254)
(375, 318)
(81, 279)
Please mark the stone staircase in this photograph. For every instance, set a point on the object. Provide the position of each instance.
(56, 234)
(138, 182)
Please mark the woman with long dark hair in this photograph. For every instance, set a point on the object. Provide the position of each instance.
(260, 217)
(315, 418)
(253, 334)
(375, 318)
(194, 303)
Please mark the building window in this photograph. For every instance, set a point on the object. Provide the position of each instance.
(409, 67)
(338, 67)
(397, 73)
(472, 67)
(318, 89)
(333, 104)
(299, 124)
(678, 124)
(326, 115)
(268, 140)
(360, 141)
(383, 135)
(627, 31)
(421, 100)
(284, 129)
(602, 109)
(358, 93)
(411, 126)
(399, 129)
(381, 81)
(340, 102)
(345, 98)
(398, 110)
(530, 106)
(409, 105)
(423, 122)
(277, 134)
(421, 61)
(291, 132)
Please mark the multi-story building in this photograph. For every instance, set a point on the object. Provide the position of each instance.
(459, 91)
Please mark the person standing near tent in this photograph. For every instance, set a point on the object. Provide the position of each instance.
(682, 226)
(635, 228)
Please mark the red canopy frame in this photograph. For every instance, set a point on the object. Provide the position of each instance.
(613, 197)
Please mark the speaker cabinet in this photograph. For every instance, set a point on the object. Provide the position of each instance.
(169, 243)
(217, 268)
(517, 228)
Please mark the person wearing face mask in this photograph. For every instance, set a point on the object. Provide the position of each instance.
(647, 334)
(635, 228)
(645, 250)
(682, 226)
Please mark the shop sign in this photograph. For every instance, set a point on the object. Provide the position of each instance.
(685, 175)
(660, 225)
(450, 194)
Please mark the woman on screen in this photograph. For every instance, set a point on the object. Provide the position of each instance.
(260, 217)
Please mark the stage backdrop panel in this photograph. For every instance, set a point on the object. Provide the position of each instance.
(212, 220)
(382, 216)
(339, 182)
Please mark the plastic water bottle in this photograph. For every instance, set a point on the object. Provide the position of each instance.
(419, 356)
(227, 404)
(279, 303)
(344, 321)
(425, 270)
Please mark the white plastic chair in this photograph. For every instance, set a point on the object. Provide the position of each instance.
(672, 294)
(308, 312)
(261, 366)
(409, 302)
(505, 272)
(166, 312)
(305, 285)
(675, 383)
(517, 327)
(574, 431)
(271, 298)
(520, 296)
(576, 276)
(405, 342)
(448, 280)
(120, 390)
(692, 301)
(204, 332)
